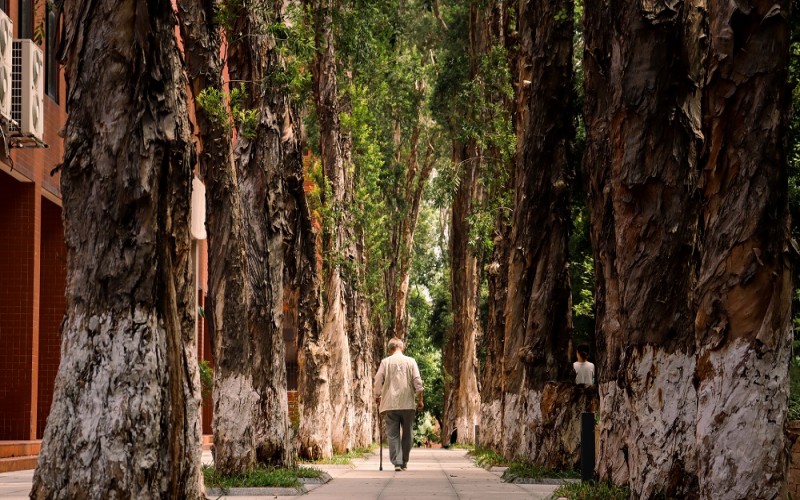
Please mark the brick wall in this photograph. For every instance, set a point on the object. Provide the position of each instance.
(17, 221)
(52, 305)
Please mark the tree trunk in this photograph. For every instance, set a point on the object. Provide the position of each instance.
(235, 397)
(360, 336)
(129, 360)
(744, 287)
(335, 241)
(491, 430)
(538, 310)
(504, 29)
(642, 121)
(262, 162)
(462, 400)
(314, 432)
(361, 340)
(409, 199)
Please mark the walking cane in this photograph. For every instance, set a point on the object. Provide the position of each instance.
(380, 436)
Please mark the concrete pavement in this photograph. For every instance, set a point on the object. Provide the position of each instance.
(432, 473)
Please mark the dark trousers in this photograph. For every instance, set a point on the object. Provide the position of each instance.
(399, 442)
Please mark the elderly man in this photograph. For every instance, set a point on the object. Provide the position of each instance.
(395, 384)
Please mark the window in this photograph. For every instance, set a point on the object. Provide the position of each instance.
(25, 19)
(51, 65)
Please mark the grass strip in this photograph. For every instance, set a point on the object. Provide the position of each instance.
(592, 491)
(527, 470)
(262, 477)
(487, 458)
(346, 458)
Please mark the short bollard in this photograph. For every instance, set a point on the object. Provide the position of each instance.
(477, 428)
(587, 446)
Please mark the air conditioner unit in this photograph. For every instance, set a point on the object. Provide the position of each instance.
(6, 41)
(27, 108)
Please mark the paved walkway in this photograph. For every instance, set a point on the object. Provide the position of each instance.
(432, 473)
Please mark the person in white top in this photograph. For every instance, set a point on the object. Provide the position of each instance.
(584, 370)
(395, 384)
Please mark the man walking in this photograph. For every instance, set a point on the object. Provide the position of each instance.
(395, 384)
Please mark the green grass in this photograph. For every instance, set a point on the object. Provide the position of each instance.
(346, 458)
(460, 446)
(486, 458)
(592, 491)
(262, 477)
(524, 469)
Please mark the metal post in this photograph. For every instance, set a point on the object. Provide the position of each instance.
(587, 446)
(477, 429)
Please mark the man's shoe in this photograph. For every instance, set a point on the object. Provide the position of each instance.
(397, 468)
(404, 468)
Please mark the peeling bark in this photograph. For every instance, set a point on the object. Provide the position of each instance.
(461, 395)
(504, 28)
(551, 416)
(129, 360)
(491, 430)
(262, 163)
(538, 316)
(643, 80)
(335, 235)
(744, 288)
(235, 397)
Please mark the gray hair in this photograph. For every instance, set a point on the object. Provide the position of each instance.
(396, 343)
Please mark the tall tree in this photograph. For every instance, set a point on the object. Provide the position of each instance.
(235, 397)
(743, 292)
(502, 23)
(267, 148)
(339, 181)
(538, 388)
(407, 199)
(462, 398)
(129, 361)
(643, 70)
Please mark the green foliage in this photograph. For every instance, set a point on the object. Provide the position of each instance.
(245, 119)
(206, 379)
(592, 491)
(213, 102)
(226, 12)
(260, 477)
(425, 430)
(346, 458)
(216, 104)
(794, 153)
(794, 389)
(421, 346)
(525, 469)
(487, 458)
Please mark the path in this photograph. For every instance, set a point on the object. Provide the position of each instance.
(432, 473)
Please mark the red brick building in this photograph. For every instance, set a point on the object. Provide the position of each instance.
(32, 252)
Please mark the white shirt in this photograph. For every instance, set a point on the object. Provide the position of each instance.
(396, 381)
(584, 372)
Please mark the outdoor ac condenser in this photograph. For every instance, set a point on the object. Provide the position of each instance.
(27, 108)
(6, 41)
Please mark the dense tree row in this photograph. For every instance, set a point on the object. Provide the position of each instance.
(423, 170)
